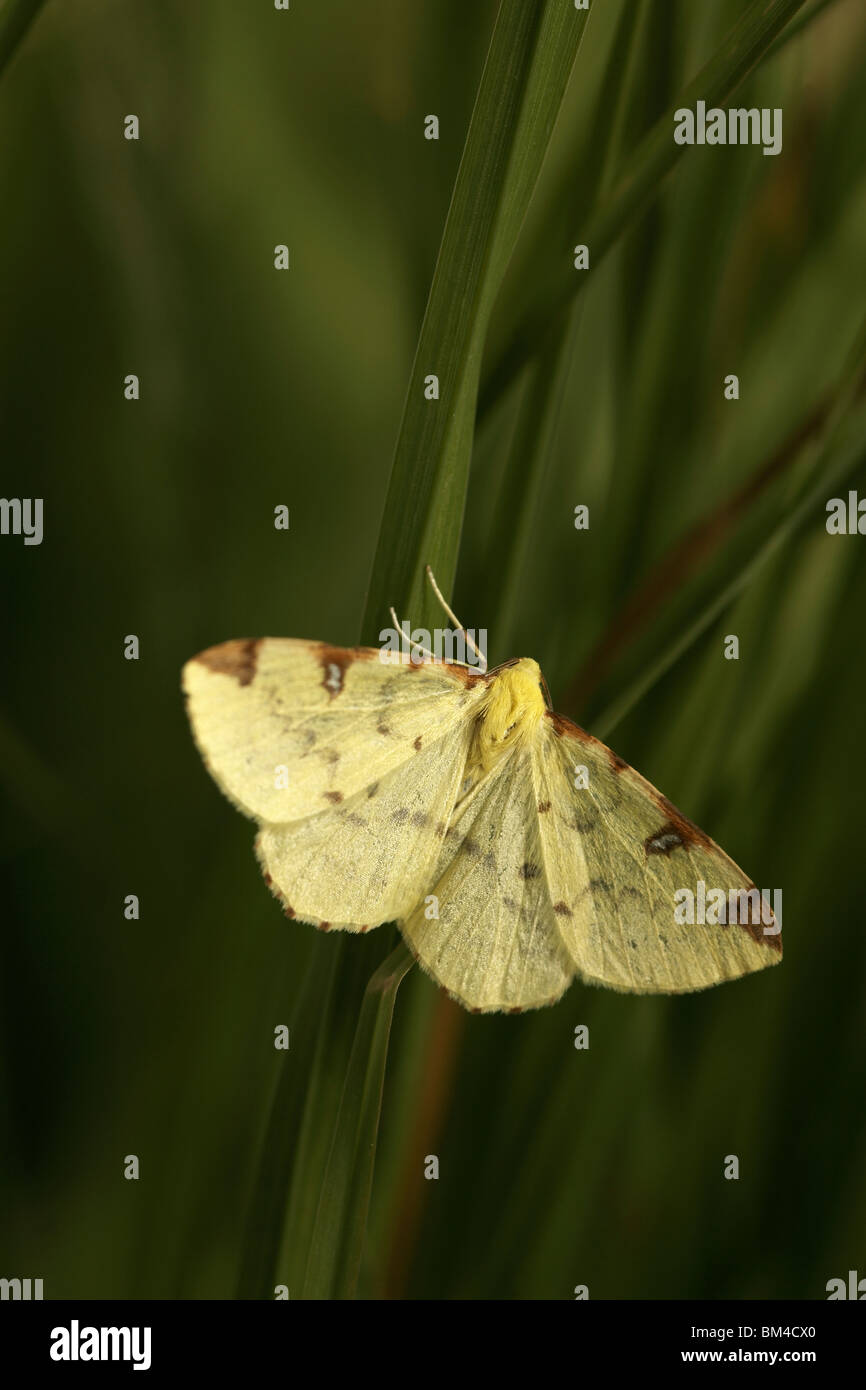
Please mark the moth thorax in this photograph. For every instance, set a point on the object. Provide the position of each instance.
(512, 708)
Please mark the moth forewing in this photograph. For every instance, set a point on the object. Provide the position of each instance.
(618, 853)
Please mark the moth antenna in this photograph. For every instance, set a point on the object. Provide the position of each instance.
(398, 628)
(454, 618)
(546, 691)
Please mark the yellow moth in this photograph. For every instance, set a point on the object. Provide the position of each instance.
(514, 850)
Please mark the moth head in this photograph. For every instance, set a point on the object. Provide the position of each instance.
(512, 708)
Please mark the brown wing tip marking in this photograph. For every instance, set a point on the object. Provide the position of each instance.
(756, 929)
(335, 797)
(543, 808)
(562, 910)
(678, 825)
(335, 662)
(236, 658)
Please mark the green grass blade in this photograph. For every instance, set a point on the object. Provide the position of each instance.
(530, 58)
(16, 17)
(258, 1274)
(528, 462)
(341, 1220)
(501, 572)
(657, 154)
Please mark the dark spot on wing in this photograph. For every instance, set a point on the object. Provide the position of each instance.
(324, 926)
(289, 911)
(383, 730)
(336, 797)
(417, 744)
(516, 1010)
(595, 885)
(419, 819)
(633, 945)
(562, 910)
(617, 763)
(528, 870)
(335, 662)
(372, 789)
(664, 841)
(237, 658)
(354, 819)
(471, 847)
(689, 833)
(400, 816)
(268, 880)
(543, 808)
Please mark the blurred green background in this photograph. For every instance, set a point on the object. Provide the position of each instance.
(155, 1037)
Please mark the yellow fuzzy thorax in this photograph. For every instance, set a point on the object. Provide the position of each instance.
(510, 711)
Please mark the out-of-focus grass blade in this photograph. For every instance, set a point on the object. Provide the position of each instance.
(528, 460)
(798, 25)
(534, 435)
(657, 154)
(341, 1219)
(258, 1274)
(839, 453)
(16, 16)
(531, 55)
